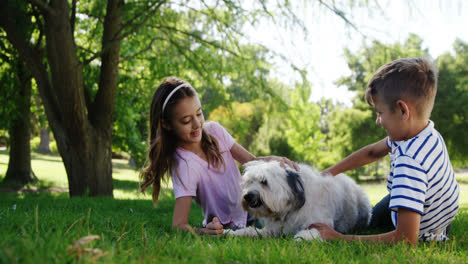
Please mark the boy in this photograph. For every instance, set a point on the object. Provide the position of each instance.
(423, 197)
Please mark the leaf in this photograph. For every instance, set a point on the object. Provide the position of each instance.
(78, 251)
(83, 241)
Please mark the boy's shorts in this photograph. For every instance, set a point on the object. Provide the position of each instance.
(381, 215)
(382, 219)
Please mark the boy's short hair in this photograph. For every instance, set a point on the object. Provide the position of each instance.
(409, 79)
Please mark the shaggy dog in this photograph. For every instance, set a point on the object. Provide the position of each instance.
(289, 201)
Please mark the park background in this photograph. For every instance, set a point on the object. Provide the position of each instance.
(285, 78)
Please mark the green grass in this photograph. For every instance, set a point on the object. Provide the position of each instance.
(131, 230)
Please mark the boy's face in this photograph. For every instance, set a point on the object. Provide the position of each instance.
(391, 121)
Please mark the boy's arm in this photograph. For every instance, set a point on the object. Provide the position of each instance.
(407, 230)
(365, 155)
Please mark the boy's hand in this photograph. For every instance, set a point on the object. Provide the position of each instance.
(214, 228)
(326, 232)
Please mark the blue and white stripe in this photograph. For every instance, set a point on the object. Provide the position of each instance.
(422, 179)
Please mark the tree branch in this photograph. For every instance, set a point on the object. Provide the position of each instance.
(43, 6)
(95, 56)
(136, 26)
(31, 57)
(201, 70)
(40, 26)
(101, 111)
(118, 38)
(73, 17)
(200, 39)
(342, 15)
(148, 47)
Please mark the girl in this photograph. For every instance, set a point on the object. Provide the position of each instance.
(200, 157)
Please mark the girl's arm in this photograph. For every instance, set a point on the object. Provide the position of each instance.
(240, 154)
(181, 214)
(365, 155)
(407, 230)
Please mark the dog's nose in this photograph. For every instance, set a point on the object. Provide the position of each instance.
(250, 197)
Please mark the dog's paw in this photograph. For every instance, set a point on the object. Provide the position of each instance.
(308, 234)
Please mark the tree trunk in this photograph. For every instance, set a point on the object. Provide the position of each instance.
(83, 132)
(45, 141)
(19, 166)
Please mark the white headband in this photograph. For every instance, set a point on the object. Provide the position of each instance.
(173, 91)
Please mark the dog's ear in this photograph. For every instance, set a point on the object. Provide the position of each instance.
(295, 183)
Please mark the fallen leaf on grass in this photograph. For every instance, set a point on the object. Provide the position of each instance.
(78, 251)
(83, 241)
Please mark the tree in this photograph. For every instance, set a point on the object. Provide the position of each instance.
(41, 124)
(80, 110)
(75, 55)
(81, 127)
(19, 165)
(15, 110)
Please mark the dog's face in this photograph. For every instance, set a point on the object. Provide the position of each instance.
(270, 190)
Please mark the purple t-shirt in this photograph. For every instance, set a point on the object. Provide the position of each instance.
(217, 190)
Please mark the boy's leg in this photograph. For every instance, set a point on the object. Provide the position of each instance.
(381, 215)
(447, 229)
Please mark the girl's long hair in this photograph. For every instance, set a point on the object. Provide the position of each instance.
(163, 143)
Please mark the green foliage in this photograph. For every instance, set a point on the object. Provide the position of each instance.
(4, 138)
(241, 119)
(290, 126)
(369, 59)
(303, 130)
(200, 45)
(450, 111)
(9, 82)
(270, 138)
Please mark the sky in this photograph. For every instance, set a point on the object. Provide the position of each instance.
(439, 23)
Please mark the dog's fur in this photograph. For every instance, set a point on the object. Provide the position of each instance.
(289, 201)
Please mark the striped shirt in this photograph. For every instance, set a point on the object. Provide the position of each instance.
(422, 180)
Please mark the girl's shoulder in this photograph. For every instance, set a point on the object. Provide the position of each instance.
(188, 162)
(215, 129)
(213, 126)
(220, 133)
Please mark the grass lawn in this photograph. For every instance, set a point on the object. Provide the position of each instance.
(38, 227)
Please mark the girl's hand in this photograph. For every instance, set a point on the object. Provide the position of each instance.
(214, 228)
(326, 172)
(326, 232)
(283, 161)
